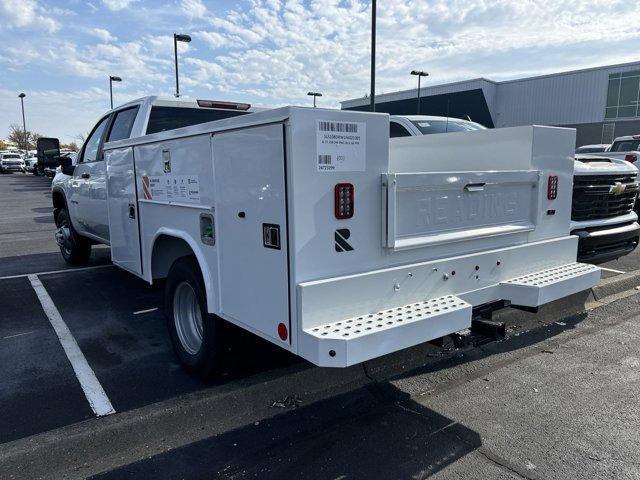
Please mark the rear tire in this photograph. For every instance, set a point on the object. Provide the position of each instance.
(195, 334)
(74, 248)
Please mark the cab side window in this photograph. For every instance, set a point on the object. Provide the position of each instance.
(122, 124)
(397, 130)
(92, 145)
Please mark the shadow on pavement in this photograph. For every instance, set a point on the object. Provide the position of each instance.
(374, 432)
(45, 262)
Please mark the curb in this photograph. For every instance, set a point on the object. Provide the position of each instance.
(98, 445)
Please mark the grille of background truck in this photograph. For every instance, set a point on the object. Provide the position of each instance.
(593, 200)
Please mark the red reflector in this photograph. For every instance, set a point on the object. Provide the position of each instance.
(552, 187)
(282, 331)
(630, 157)
(223, 105)
(343, 197)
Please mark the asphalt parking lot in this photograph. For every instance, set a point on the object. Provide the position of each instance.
(556, 399)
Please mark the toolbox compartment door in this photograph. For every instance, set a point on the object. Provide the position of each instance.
(251, 217)
(122, 206)
(423, 209)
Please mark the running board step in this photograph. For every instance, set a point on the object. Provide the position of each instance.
(548, 285)
(357, 339)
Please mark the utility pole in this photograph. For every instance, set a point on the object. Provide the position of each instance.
(372, 98)
(419, 74)
(24, 123)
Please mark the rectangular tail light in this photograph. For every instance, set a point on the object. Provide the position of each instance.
(552, 187)
(630, 157)
(343, 198)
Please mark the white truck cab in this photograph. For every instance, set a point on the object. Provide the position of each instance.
(83, 194)
(604, 190)
(303, 226)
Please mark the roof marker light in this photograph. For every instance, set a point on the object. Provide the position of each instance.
(223, 105)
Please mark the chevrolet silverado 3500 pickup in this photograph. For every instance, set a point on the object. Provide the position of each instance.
(604, 191)
(302, 226)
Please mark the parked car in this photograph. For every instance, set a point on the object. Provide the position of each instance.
(604, 192)
(31, 161)
(625, 148)
(11, 162)
(595, 148)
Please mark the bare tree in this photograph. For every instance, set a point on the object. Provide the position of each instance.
(22, 138)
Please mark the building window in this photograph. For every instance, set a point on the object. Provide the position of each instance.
(623, 95)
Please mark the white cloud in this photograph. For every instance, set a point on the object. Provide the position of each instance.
(116, 5)
(193, 8)
(102, 34)
(26, 13)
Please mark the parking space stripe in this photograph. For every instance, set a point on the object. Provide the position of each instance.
(611, 270)
(65, 270)
(94, 392)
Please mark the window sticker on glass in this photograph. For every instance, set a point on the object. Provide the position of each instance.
(424, 124)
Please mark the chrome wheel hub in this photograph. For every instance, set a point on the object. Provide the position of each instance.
(63, 237)
(188, 318)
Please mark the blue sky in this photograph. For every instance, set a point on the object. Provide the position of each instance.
(270, 52)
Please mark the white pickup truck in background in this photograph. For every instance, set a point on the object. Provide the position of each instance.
(604, 189)
(625, 148)
(303, 226)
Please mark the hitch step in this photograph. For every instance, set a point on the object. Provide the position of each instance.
(490, 328)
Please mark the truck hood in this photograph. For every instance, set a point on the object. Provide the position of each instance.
(600, 165)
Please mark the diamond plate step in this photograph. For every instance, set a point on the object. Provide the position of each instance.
(545, 286)
(356, 339)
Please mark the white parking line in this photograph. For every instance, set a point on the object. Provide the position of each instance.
(17, 335)
(65, 270)
(148, 310)
(611, 270)
(94, 392)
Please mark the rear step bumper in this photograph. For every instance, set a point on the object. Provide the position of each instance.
(358, 338)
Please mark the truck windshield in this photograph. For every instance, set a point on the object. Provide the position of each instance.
(168, 118)
(428, 127)
(626, 146)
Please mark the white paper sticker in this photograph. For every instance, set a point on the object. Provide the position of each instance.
(171, 188)
(340, 146)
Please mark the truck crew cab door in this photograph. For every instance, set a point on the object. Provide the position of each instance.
(88, 195)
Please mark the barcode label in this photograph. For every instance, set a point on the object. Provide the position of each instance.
(324, 159)
(341, 127)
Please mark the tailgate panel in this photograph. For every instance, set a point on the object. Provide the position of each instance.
(434, 208)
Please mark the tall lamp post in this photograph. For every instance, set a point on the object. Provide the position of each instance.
(24, 124)
(314, 95)
(372, 98)
(420, 74)
(111, 80)
(178, 37)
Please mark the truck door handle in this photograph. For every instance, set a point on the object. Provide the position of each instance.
(474, 187)
(85, 175)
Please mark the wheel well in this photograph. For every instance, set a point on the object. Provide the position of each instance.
(166, 250)
(58, 202)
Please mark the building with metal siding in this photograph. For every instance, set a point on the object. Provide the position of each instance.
(600, 103)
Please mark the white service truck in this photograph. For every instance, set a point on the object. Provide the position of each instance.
(301, 226)
(604, 190)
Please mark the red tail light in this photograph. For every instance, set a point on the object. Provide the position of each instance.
(630, 157)
(343, 197)
(552, 187)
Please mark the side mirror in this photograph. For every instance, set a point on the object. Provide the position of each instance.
(66, 165)
(48, 152)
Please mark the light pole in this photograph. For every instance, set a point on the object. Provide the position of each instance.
(314, 95)
(24, 124)
(178, 37)
(420, 74)
(372, 105)
(111, 80)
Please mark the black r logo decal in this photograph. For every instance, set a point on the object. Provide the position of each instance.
(341, 236)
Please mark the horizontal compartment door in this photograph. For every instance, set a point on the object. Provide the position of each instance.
(434, 208)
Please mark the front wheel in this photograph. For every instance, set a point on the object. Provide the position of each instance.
(195, 333)
(74, 248)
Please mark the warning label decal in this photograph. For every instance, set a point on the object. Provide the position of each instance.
(171, 188)
(340, 146)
